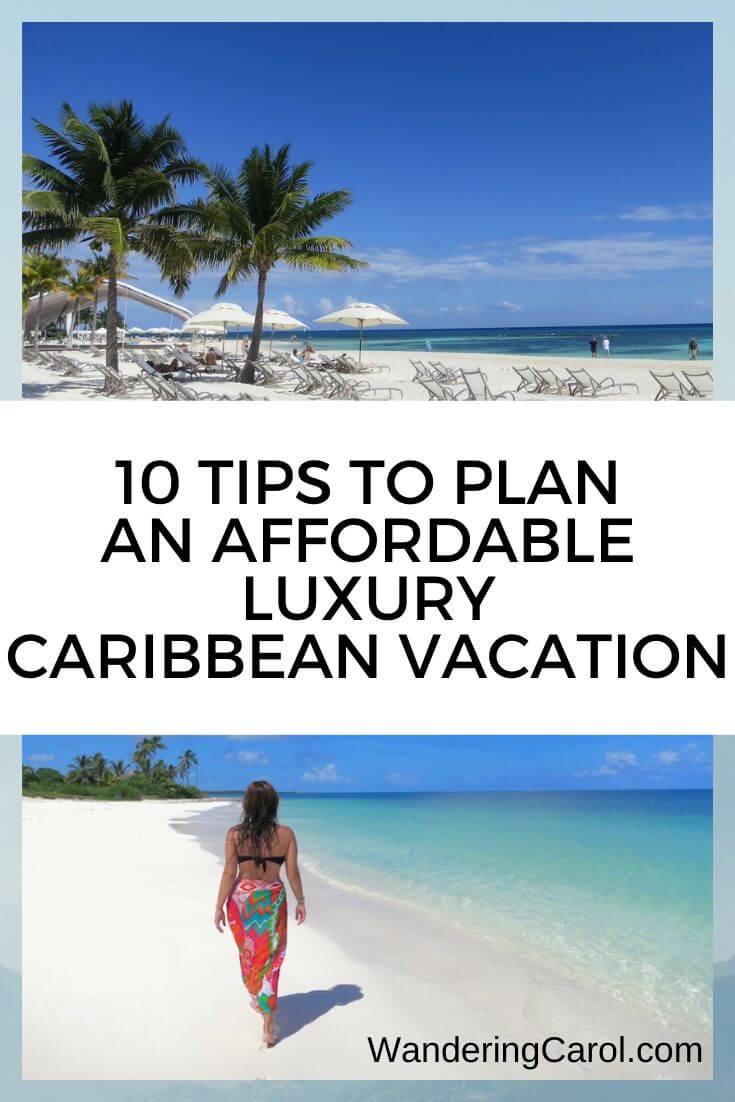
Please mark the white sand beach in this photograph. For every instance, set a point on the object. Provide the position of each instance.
(42, 383)
(125, 977)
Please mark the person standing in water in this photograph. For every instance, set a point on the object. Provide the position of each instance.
(593, 348)
(606, 345)
(427, 342)
(693, 348)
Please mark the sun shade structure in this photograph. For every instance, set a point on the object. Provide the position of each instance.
(58, 305)
(279, 319)
(219, 317)
(363, 315)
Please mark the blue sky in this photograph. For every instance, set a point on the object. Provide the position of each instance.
(415, 763)
(503, 174)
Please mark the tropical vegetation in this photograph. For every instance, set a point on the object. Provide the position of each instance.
(146, 775)
(43, 274)
(261, 217)
(112, 182)
(110, 173)
(79, 287)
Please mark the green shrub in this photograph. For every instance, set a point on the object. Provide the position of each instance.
(49, 776)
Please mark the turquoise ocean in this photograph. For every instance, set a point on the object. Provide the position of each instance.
(609, 888)
(659, 342)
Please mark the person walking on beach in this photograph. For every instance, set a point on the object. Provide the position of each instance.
(606, 345)
(252, 897)
(593, 348)
(693, 348)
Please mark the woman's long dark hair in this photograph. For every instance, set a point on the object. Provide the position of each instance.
(258, 826)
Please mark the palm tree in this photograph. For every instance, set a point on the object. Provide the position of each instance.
(146, 749)
(187, 761)
(99, 768)
(141, 757)
(105, 319)
(29, 278)
(96, 268)
(78, 287)
(259, 218)
(81, 770)
(162, 771)
(118, 769)
(111, 172)
(29, 774)
(156, 744)
(44, 275)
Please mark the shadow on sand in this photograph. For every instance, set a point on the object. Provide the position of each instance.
(296, 1011)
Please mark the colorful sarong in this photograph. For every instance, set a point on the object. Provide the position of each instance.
(256, 914)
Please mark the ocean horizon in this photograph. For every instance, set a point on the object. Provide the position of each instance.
(612, 889)
(658, 342)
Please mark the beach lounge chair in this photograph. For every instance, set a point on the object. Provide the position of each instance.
(337, 386)
(669, 386)
(436, 391)
(700, 384)
(304, 382)
(529, 382)
(588, 387)
(270, 377)
(115, 385)
(553, 383)
(477, 389)
(358, 368)
(153, 385)
(445, 374)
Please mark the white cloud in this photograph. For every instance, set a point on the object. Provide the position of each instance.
(667, 757)
(41, 759)
(614, 763)
(622, 757)
(512, 306)
(252, 757)
(292, 305)
(694, 754)
(325, 306)
(683, 212)
(613, 256)
(324, 774)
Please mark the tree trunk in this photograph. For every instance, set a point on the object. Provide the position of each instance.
(111, 347)
(70, 334)
(247, 375)
(94, 320)
(37, 335)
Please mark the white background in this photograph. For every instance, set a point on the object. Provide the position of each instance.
(61, 497)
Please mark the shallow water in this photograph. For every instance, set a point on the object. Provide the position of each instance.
(660, 342)
(610, 887)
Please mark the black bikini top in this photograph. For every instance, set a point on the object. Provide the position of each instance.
(261, 861)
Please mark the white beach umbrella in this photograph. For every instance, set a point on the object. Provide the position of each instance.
(279, 319)
(219, 316)
(363, 315)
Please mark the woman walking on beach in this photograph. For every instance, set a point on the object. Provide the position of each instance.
(254, 897)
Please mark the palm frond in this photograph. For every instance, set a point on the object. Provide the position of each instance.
(111, 231)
